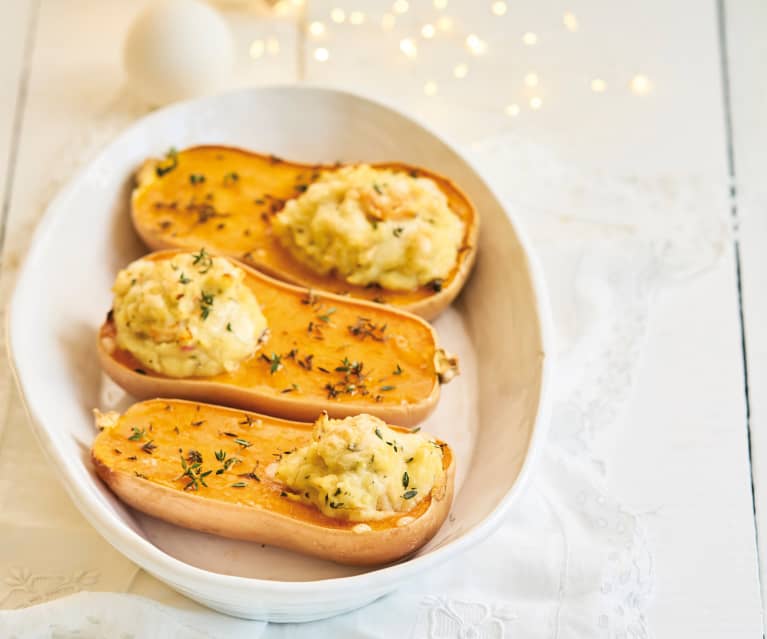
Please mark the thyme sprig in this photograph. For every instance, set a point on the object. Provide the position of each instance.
(203, 261)
(194, 473)
(365, 327)
(206, 304)
(168, 164)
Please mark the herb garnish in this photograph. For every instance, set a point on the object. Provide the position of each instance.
(196, 178)
(325, 317)
(275, 363)
(194, 457)
(194, 473)
(388, 387)
(203, 260)
(227, 462)
(168, 164)
(409, 494)
(239, 484)
(230, 178)
(397, 232)
(138, 434)
(243, 442)
(398, 370)
(183, 279)
(405, 479)
(206, 304)
(367, 328)
(378, 433)
(149, 447)
(229, 327)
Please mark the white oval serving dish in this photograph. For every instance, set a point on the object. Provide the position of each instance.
(492, 415)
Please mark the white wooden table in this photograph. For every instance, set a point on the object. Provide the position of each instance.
(693, 454)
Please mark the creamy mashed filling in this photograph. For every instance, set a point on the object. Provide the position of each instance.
(191, 315)
(359, 469)
(373, 226)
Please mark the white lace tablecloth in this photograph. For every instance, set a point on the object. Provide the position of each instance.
(569, 560)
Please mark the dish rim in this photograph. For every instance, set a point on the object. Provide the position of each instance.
(141, 550)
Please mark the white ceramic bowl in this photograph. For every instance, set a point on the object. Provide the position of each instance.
(492, 415)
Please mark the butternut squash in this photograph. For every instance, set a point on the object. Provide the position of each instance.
(322, 352)
(225, 199)
(212, 469)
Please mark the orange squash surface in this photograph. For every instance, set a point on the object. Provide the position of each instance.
(194, 201)
(324, 352)
(172, 459)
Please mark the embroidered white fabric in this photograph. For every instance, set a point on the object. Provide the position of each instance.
(568, 561)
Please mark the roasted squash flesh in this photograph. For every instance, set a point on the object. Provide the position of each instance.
(224, 199)
(322, 352)
(212, 468)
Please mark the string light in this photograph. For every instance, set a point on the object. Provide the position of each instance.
(317, 28)
(499, 8)
(512, 110)
(430, 88)
(440, 4)
(256, 49)
(640, 84)
(272, 46)
(388, 21)
(530, 38)
(570, 21)
(338, 15)
(535, 103)
(460, 71)
(598, 85)
(428, 31)
(445, 24)
(356, 17)
(321, 54)
(408, 47)
(531, 80)
(475, 44)
(400, 6)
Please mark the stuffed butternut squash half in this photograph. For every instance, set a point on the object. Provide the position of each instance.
(354, 491)
(392, 233)
(206, 328)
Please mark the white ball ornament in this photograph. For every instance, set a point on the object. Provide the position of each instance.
(178, 49)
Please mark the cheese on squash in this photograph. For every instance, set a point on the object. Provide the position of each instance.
(359, 469)
(192, 315)
(373, 226)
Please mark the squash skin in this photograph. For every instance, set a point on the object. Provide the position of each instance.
(226, 390)
(310, 533)
(272, 258)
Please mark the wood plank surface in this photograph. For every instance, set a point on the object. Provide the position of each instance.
(682, 457)
(746, 46)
